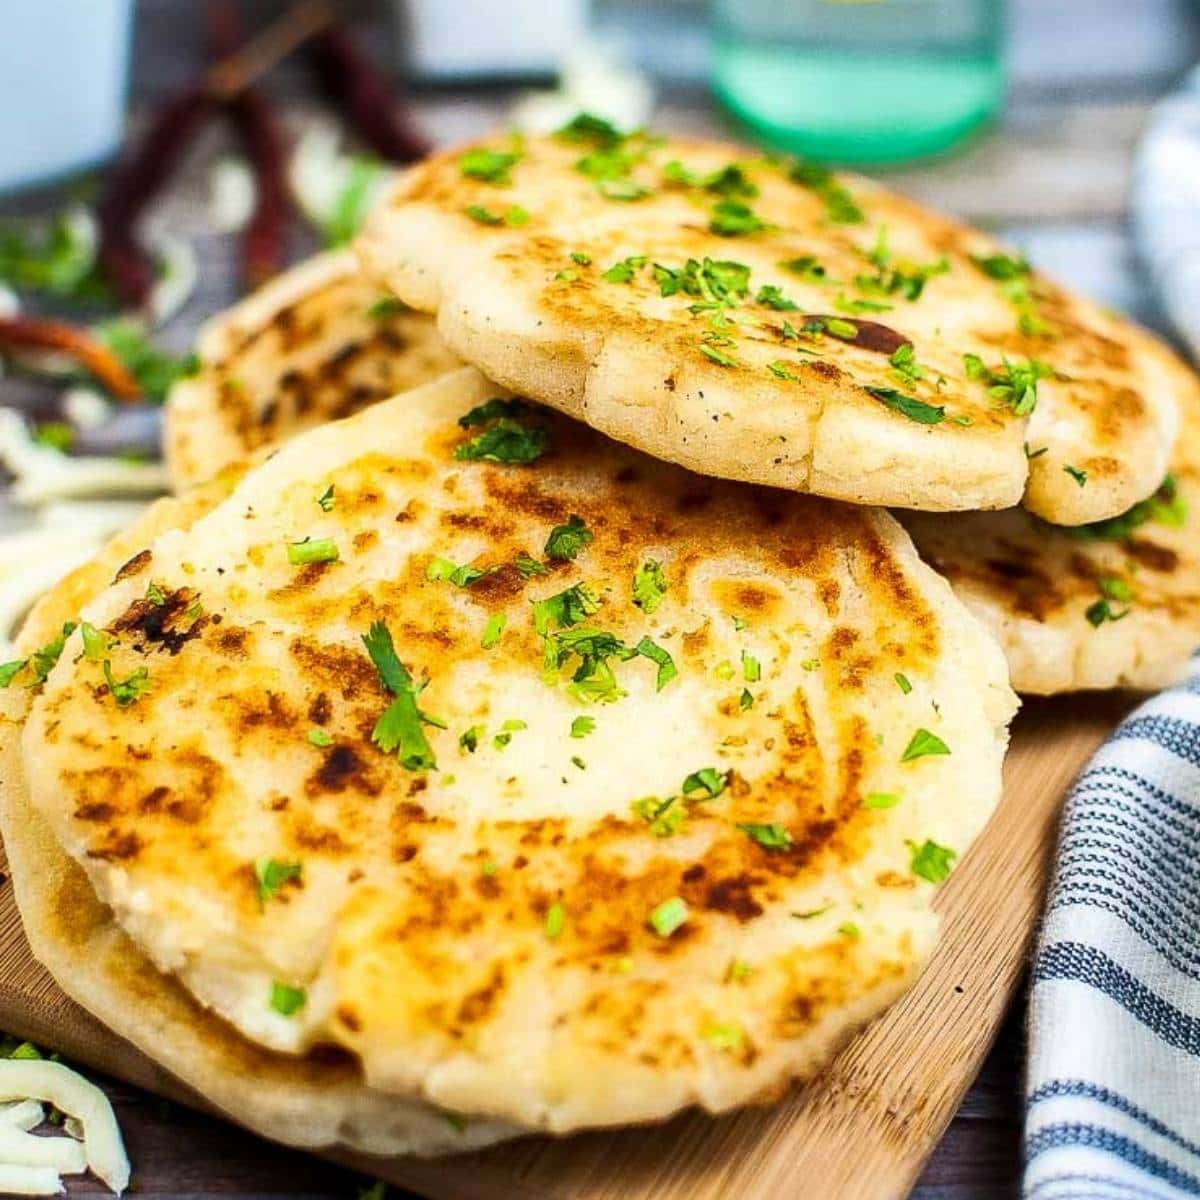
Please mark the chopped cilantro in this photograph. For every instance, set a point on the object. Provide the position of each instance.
(811, 913)
(442, 570)
(1111, 589)
(730, 180)
(43, 660)
(892, 278)
(724, 1037)
(386, 306)
(506, 731)
(745, 700)
(566, 608)
(527, 567)
(325, 499)
(923, 743)
(846, 330)
(287, 1000)
(879, 800)
(95, 644)
(400, 728)
(769, 837)
(129, 690)
(1013, 384)
(578, 762)
(1015, 276)
(931, 861)
(850, 304)
(718, 281)
(492, 166)
(514, 216)
(662, 659)
(840, 205)
(270, 874)
(669, 916)
(849, 929)
(807, 267)
(556, 918)
(492, 630)
(590, 129)
(1078, 474)
(312, 550)
(724, 669)
(567, 276)
(733, 218)
(718, 356)
(708, 780)
(1166, 507)
(738, 971)
(318, 737)
(625, 270)
(902, 682)
(904, 363)
(469, 739)
(781, 370)
(582, 726)
(665, 817)
(649, 585)
(627, 190)
(154, 369)
(9, 671)
(772, 297)
(909, 406)
(509, 434)
(566, 541)
(751, 668)
(578, 256)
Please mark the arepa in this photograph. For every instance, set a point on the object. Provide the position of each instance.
(317, 343)
(557, 785)
(769, 321)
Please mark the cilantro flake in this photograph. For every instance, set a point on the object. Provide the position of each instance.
(649, 585)
(909, 406)
(287, 1000)
(312, 550)
(669, 916)
(931, 862)
(270, 875)
(922, 744)
(769, 837)
(566, 541)
(400, 728)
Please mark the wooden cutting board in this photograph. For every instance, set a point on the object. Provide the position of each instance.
(860, 1132)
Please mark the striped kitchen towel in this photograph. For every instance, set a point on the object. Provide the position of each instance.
(1113, 1105)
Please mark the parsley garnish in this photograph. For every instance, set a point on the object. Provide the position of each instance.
(443, 570)
(582, 726)
(400, 728)
(506, 731)
(326, 499)
(717, 281)
(665, 817)
(578, 256)
(751, 668)
(847, 331)
(1166, 507)
(386, 306)
(622, 189)
(662, 659)
(807, 267)
(732, 218)
(9, 670)
(566, 541)
(904, 278)
(902, 682)
(878, 800)
(904, 362)
(469, 739)
(769, 837)
(625, 270)
(129, 690)
(1015, 275)
(270, 874)
(718, 356)
(556, 918)
(43, 660)
(527, 567)
(849, 929)
(669, 916)
(730, 180)
(931, 861)
(514, 216)
(649, 585)
(492, 630)
(588, 128)
(287, 1000)
(839, 203)
(909, 406)
(923, 743)
(1013, 384)
(781, 370)
(745, 700)
(565, 608)
(1078, 474)
(1111, 588)
(492, 166)
(319, 738)
(312, 550)
(772, 297)
(508, 436)
(708, 780)
(95, 644)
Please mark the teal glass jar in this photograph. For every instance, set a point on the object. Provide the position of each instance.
(860, 80)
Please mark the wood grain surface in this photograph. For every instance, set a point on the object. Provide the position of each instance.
(862, 1131)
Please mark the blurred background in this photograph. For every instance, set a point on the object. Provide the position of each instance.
(158, 159)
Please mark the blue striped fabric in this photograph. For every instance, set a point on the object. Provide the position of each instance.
(1113, 1103)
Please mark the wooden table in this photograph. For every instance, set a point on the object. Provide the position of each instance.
(1054, 179)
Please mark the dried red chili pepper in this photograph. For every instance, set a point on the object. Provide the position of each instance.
(134, 181)
(33, 333)
(352, 82)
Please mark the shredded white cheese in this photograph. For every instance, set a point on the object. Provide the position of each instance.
(68, 1091)
(26, 1114)
(30, 1181)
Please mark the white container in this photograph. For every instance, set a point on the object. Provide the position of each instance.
(460, 39)
(63, 71)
